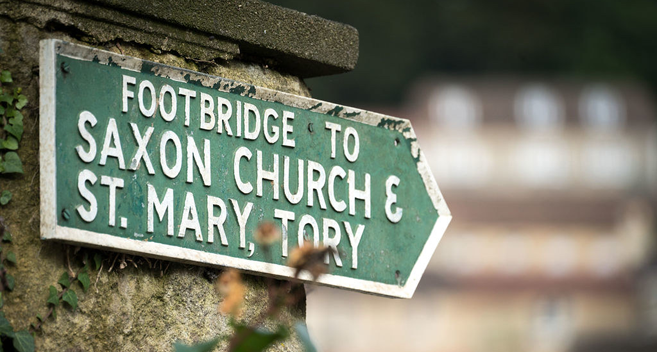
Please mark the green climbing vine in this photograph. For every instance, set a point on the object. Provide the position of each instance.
(22, 340)
(11, 129)
(11, 121)
(65, 294)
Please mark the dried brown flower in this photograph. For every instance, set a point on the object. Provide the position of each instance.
(309, 258)
(267, 233)
(226, 280)
(229, 285)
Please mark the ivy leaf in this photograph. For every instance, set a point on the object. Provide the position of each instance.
(7, 237)
(11, 282)
(258, 339)
(23, 341)
(5, 197)
(11, 257)
(2, 301)
(54, 313)
(39, 317)
(10, 143)
(64, 280)
(83, 278)
(53, 297)
(304, 336)
(71, 298)
(14, 115)
(97, 260)
(8, 98)
(5, 77)
(21, 101)
(201, 347)
(12, 163)
(2, 110)
(15, 125)
(5, 326)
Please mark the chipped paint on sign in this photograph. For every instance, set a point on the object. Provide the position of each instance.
(175, 164)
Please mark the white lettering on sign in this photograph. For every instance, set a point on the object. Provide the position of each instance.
(334, 128)
(338, 205)
(188, 94)
(113, 183)
(286, 217)
(170, 172)
(241, 152)
(171, 114)
(288, 129)
(194, 157)
(356, 194)
(142, 143)
(267, 175)
(90, 155)
(391, 199)
(217, 221)
(242, 217)
(303, 181)
(354, 240)
(224, 115)
(127, 94)
(84, 177)
(316, 185)
(272, 136)
(162, 207)
(150, 111)
(207, 112)
(302, 236)
(189, 219)
(352, 155)
(329, 225)
(293, 198)
(112, 137)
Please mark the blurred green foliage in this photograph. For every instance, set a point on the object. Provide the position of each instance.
(402, 40)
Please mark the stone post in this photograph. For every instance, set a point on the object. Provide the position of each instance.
(135, 303)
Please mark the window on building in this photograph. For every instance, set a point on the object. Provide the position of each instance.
(538, 109)
(601, 109)
(455, 108)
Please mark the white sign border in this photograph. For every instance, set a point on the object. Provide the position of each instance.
(49, 48)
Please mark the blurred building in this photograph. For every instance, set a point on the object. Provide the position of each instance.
(553, 188)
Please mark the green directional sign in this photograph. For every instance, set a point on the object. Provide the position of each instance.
(160, 161)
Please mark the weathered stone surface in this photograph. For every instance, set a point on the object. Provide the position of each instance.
(284, 39)
(142, 308)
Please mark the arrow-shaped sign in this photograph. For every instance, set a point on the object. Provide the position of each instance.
(156, 160)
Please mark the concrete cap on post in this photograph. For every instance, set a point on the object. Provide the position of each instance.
(251, 30)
